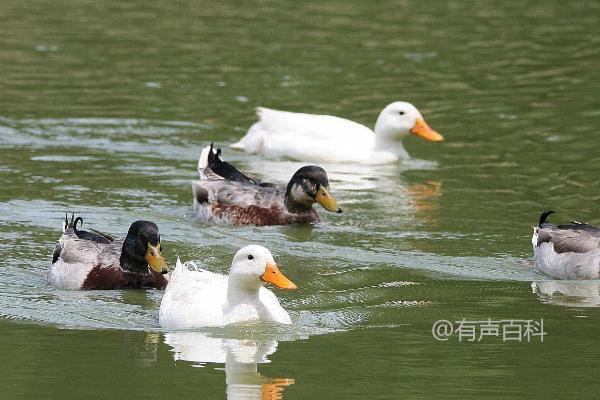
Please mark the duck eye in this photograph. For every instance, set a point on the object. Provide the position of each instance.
(152, 252)
(250, 257)
(401, 113)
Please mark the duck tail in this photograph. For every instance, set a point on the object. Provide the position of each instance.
(204, 155)
(239, 145)
(182, 269)
(78, 219)
(213, 161)
(544, 217)
(177, 272)
(70, 225)
(252, 142)
(70, 228)
(178, 265)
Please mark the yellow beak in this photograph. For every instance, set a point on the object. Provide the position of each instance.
(423, 130)
(325, 199)
(155, 259)
(274, 276)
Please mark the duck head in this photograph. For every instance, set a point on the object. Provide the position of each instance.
(399, 119)
(253, 266)
(142, 249)
(309, 185)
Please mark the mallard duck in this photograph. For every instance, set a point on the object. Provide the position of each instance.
(197, 298)
(223, 194)
(94, 260)
(322, 138)
(570, 251)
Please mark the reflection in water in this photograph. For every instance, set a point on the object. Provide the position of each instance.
(424, 197)
(145, 352)
(346, 176)
(568, 293)
(241, 359)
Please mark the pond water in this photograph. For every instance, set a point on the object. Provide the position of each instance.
(105, 107)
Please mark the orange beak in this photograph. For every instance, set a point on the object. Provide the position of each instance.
(274, 276)
(423, 130)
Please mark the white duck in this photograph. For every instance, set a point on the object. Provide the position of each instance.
(325, 138)
(198, 298)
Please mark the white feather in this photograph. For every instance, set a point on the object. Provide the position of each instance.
(566, 265)
(198, 298)
(203, 161)
(68, 276)
(325, 138)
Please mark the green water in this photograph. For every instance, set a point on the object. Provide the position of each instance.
(105, 106)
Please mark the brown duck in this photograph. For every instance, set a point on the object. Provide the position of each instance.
(226, 195)
(85, 260)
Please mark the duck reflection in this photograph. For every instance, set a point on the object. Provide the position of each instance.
(568, 293)
(424, 198)
(144, 352)
(345, 176)
(241, 359)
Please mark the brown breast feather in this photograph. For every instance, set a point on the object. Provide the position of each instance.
(114, 277)
(274, 215)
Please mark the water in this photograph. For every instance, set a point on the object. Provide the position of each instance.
(106, 106)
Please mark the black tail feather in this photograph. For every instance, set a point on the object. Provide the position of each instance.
(102, 234)
(95, 236)
(226, 170)
(69, 225)
(544, 217)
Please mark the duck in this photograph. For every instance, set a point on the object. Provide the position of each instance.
(197, 298)
(225, 195)
(84, 260)
(326, 138)
(569, 251)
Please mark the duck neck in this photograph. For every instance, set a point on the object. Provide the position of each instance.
(239, 293)
(296, 201)
(297, 208)
(394, 147)
(132, 258)
(388, 140)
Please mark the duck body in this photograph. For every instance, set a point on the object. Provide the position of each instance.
(235, 203)
(198, 298)
(225, 195)
(94, 261)
(326, 138)
(569, 251)
(309, 137)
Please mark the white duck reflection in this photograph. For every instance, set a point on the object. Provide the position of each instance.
(343, 175)
(241, 359)
(568, 293)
